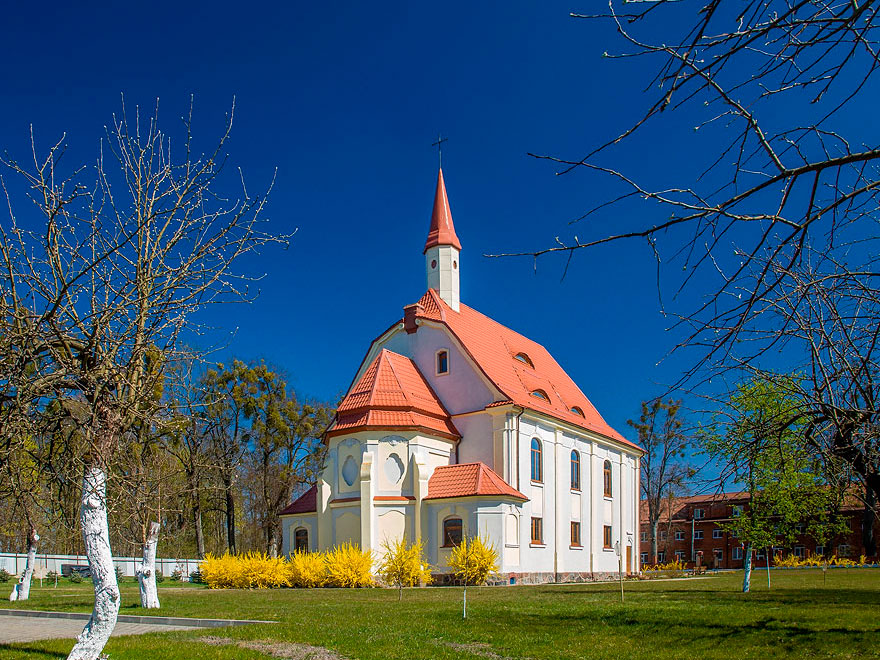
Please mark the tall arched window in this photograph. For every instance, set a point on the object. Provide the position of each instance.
(575, 470)
(537, 463)
(451, 532)
(606, 478)
(301, 540)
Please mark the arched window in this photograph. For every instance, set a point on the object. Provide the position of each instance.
(575, 470)
(577, 411)
(537, 463)
(442, 362)
(540, 394)
(525, 359)
(451, 532)
(301, 540)
(606, 478)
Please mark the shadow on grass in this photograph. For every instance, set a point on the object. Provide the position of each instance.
(829, 596)
(6, 651)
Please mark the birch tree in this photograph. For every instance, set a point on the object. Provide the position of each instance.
(104, 263)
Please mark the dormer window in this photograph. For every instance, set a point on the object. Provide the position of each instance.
(540, 394)
(442, 362)
(577, 411)
(525, 359)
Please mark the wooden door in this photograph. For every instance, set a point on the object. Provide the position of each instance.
(629, 559)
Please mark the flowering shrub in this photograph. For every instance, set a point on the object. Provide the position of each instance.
(403, 566)
(791, 561)
(473, 560)
(674, 568)
(308, 569)
(253, 570)
(264, 572)
(225, 572)
(349, 566)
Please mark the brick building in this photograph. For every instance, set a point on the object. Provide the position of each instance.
(692, 528)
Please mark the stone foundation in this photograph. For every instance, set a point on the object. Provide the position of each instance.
(505, 579)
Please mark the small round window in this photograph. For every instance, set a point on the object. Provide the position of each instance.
(433, 263)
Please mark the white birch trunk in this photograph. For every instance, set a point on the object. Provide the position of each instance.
(22, 590)
(96, 536)
(146, 572)
(747, 569)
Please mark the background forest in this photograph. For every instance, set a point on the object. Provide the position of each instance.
(219, 455)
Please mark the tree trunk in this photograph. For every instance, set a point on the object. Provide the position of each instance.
(96, 536)
(22, 590)
(273, 540)
(197, 524)
(146, 572)
(870, 515)
(654, 525)
(747, 568)
(230, 514)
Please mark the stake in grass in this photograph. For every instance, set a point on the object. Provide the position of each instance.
(473, 561)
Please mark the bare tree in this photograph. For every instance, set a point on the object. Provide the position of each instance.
(104, 264)
(665, 443)
(775, 234)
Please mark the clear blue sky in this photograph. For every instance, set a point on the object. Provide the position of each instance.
(344, 99)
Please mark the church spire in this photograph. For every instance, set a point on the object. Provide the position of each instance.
(442, 231)
(442, 249)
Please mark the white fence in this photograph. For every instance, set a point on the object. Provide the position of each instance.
(14, 563)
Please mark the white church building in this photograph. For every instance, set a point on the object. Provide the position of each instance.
(456, 424)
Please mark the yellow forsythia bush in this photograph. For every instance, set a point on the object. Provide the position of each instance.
(349, 566)
(403, 565)
(226, 572)
(473, 560)
(264, 572)
(308, 569)
(791, 561)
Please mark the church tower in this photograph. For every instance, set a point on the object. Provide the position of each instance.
(442, 249)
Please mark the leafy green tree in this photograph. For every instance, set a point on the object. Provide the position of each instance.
(762, 446)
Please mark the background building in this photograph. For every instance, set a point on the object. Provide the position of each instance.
(692, 525)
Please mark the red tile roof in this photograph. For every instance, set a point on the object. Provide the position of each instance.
(305, 503)
(442, 231)
(494, 347)
(681, 508)
(392, 394)
(468, 479)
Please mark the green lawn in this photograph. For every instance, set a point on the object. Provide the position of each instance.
(694, 618)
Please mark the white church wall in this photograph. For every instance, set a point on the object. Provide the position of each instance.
(437, 511)
(391, 526)
(557, 504)
(476, 439)
(289, 524)
(346, 525)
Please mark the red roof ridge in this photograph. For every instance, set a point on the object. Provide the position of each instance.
(478, 335)
(469, 480)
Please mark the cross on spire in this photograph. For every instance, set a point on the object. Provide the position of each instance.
(439, 145)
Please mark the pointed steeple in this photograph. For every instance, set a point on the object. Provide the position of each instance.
(442, 231)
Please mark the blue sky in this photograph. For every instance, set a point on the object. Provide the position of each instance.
(345, 99)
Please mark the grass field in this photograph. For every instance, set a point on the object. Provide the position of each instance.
(694, 618)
